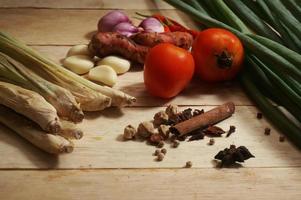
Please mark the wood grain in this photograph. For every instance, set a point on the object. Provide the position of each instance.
(205, 184)
(64, 27)
(102, 145)
(87, 4)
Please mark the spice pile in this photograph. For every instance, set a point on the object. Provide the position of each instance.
(172, 126)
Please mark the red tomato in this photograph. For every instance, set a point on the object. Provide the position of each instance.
(218, 55)
(167, 70)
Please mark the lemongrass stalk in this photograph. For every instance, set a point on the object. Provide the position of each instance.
(89, 99)
(50, 143)
(31, 105)
(70, 130)
(63, 101)
(118, 98)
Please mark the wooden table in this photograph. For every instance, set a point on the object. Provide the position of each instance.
(102, 166)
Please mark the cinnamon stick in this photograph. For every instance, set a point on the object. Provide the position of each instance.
(210, 117)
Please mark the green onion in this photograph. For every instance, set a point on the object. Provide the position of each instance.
(294, 8)
(284, 15)
(252, 20)
(262, 81)
(283, 123)
(276, 24)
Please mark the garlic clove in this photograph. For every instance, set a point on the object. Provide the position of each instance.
(120, 65)
(104, 74)
(81, 49)
(79, 64)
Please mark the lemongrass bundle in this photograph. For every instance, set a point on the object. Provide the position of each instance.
(50, 143)
(63, 101)
(58, 74)
(31, 105)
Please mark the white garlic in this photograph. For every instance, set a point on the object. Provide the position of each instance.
(120, 65)
(81, 49)
(104, 74)
(79, 64)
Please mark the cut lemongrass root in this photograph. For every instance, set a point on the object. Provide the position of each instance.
(31, 105)
(62, 100)
(70, 130)
(50, 143)
(25, 54)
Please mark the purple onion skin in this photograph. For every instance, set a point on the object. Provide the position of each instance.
(110, 20)
(152, 25)
(126, 29)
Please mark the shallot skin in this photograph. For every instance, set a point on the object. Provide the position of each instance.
(110, 20)
(151, 24)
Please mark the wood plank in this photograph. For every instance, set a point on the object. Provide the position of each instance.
(198, 93)
(87, 4)
(64, 27)
(206, 184)
(102, 146)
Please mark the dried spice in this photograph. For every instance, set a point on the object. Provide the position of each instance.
(214, 131)
(129, 132)
(211, 141)
(231, 130)
(281, 138)
(160, 144)
(229, 156)
(210, 117)
(180, 117)
(155, 139)
(172, 110)
(175, 144)
(160, 118)
(188, 164)
(267, 131)
(145, 129)
(259, 115)
(164, 151)
(164, 131)
(197, 112)
(156, 152)
(198, 136)
(160, 156)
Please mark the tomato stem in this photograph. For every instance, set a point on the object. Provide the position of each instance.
(224, 59)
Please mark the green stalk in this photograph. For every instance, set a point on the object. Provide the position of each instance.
(229, 16)
(293, 7)
(260, 78)
(293, 37)
(276, 24)
(278, 63)
(285, 16)
(271, 112)
(285, 52)
(252, 20)
(280, 84)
